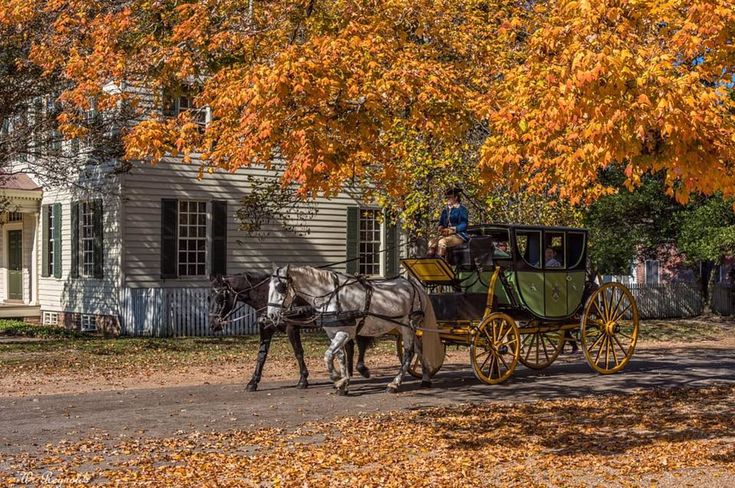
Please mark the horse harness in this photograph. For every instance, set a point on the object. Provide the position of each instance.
(342, 318)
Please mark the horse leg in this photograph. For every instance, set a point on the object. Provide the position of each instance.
(425, 373)
(329, 358)
(408, 350)
(266, 334)
(343, 384)
(362, 345)
(294, 335)
(350, 352)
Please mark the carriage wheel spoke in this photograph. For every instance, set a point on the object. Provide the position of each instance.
(491, 366)
(500, 356)
(617, 304)
(486, 360)
(625, 353)
(612, 350)
(605, 305)
(599, 312)
(530, 346)
(543, 342)
(595, 342)
(620, 316)
(607, 349)
(597, 357)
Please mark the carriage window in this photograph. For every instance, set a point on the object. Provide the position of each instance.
(369, 262)
(575, 249)
(554, 250)
(501, 242)
(529, 246)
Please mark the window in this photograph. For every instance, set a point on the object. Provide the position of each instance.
(192, 238)
(369, 244)
(176, 104)
(575, 250)
(554, 250)
(652, 277)
(50, 240)
(528, 243)
(86, 238)
(87, 323)
(15, 217)
(50, 318)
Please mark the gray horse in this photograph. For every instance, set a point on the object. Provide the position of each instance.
(252, 289)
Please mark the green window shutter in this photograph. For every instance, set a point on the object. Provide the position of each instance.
(99, 235)
(169, 244)
(218, 252)
(74, 272)
(44, 240)
(391, 248)
(353, 239)
(57, 240)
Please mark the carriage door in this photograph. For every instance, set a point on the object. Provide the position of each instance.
(555, 274)
(576, 269)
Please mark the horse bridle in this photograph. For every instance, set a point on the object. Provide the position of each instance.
(228, 286)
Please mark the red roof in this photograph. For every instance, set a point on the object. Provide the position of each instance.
(17, 181)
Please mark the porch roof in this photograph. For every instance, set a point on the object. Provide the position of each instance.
(19, 186)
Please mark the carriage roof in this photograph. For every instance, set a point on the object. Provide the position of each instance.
(481, 227)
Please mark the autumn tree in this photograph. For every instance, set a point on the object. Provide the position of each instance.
(534, 97)
(32, 110)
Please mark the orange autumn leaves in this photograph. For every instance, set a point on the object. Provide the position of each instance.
(537, 98)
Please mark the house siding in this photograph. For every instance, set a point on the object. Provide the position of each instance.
(144, 188)
(83, 295)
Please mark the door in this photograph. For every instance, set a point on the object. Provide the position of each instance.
(15, 266)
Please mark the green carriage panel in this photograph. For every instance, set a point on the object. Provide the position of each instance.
(530, 287)
(575, 290)
(555, 294)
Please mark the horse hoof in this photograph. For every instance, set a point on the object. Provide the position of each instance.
(391, 389)
(335, 377)
(303, 385)
(251, 387)
(426, 384)
(341, 392)
(364, 371)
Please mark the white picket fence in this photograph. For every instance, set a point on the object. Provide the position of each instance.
(177, 312)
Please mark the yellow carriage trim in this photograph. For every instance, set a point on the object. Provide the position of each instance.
(433, 271)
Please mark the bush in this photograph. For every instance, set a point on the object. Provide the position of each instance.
(16, 328)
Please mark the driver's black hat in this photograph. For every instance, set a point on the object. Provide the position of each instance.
(453, 192)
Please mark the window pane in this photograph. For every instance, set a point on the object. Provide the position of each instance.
(529, 247)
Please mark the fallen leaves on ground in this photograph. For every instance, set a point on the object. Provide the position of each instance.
(614, 440)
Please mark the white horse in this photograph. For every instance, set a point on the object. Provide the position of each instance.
(375, 307)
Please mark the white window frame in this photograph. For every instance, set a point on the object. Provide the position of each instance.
(377, 227)
(202, 116)
(87, 322)
(50, 318)
(86, 242)
(51, 219)
(202, 266)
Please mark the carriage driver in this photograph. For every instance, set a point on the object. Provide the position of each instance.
(452, 225)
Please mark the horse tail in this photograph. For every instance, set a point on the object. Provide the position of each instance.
(431, 344)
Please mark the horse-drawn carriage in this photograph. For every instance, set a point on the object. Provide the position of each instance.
(518, 293)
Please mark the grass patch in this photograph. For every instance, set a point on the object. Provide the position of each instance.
(16, 328)
(685, 330)
(133, 354)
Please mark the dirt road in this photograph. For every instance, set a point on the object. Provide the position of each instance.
(28, 423)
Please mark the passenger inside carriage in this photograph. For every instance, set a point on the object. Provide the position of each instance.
(550, 258)
(452, 225)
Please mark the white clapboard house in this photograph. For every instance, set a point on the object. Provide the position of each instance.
(131, 252)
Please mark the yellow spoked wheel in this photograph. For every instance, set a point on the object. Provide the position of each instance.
(414, 368)
(495, 348)
(609, 328)
(540, 349)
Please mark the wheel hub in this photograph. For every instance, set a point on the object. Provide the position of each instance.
(611, 328)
